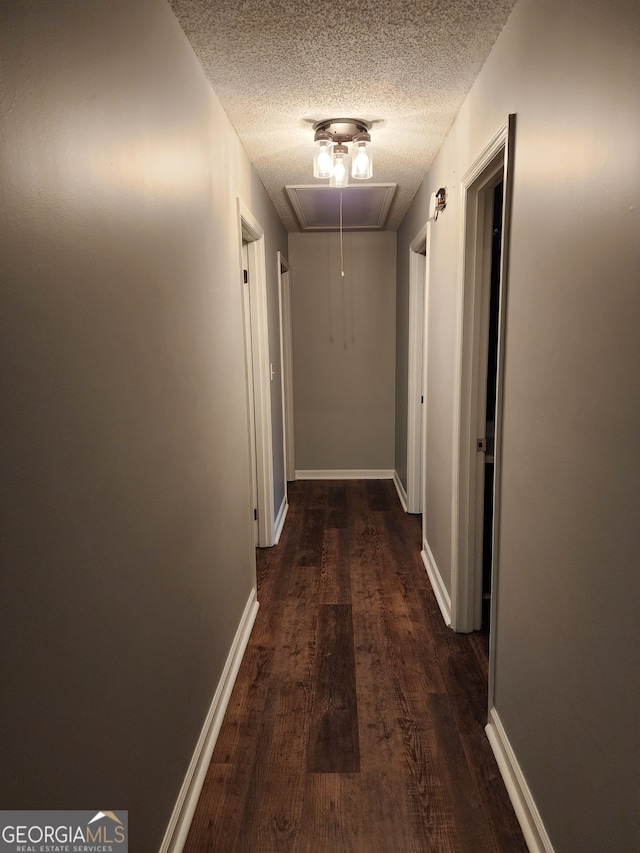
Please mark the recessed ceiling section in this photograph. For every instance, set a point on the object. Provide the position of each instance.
(364, 207)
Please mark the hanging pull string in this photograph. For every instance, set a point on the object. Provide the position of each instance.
(341, 249)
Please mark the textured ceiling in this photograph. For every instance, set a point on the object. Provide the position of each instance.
(279, 66)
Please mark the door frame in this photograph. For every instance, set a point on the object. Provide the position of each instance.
(416, 368)
(251, 411)
(493, 164)
(286, 360)
(253, 234)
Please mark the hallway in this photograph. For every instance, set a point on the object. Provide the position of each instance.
(356, 722)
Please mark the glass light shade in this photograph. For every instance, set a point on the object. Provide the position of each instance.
(340, 176)
(323, 155)
(361, 159)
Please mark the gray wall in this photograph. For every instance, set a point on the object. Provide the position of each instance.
(343, 350)
(126, 548)
(567, 674)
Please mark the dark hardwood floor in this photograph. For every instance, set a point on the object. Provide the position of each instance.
(357, 719)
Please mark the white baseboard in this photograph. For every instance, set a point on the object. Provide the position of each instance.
(346, 474)
(282, 514)
(178, 828)
(524, 806)
(400, 490)
(439, 589)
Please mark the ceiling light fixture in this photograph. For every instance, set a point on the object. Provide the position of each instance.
(331, 154)
(362, 161)
(323, 155)
(340, 174)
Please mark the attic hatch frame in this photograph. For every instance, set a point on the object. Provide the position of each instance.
(300, 194)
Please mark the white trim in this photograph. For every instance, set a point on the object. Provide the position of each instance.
(178, 828)
(282, 514)
(418, 290)
(251, 408)
(286, 360)
(397, 482)
(520, 795)
(253, 233)
(346, 474)
(437, 584)
(466, 575)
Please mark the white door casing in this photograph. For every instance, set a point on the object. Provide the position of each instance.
(416, 375)
(248, 342)
(495, 163)
(286, 359)
(252, 233)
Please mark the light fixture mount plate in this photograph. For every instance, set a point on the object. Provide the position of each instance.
(342, 129)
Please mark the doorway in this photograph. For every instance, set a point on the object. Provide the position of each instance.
(251, 406)
(416, 392)
(493, 244)
(254, 283)
(486, 192)
(286, 360)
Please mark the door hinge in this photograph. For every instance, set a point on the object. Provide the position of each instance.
(422, 399)
(255, 515)
(245, 274)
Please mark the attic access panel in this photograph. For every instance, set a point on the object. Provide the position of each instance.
(363, 207)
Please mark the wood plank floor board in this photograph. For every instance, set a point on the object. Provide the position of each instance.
(246, 706)
(378, 711)
(254, 771)
(379, 496)
(428, 797)
(225, 816)
(356, 724)
(481, 761)
(337, 506)
(382, 825)
(462, 679)
(272, 582)
(278, 809)
(335, 579)
(309, 551)
(405, 538)
(295, 658)
(333, 740)
(409, 644)
(411, 649)
(416, 657)
(331, 824)
(219, 813)
(354, 812)
(469, 815)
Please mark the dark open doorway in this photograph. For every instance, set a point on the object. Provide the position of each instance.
(491, 387)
